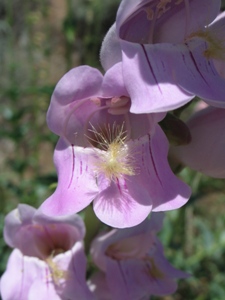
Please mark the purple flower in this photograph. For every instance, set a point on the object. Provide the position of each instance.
(48, 261)
(168, 51)
(132, 263)
(107, 155)
(205, 152)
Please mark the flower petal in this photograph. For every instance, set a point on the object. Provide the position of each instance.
(20, 273)
(76, 181)
(123, 203)
(205, 152)
(195, 73)
(73, 224)
(113, 82)
(136, 19)
(119, 283)
(73, 285)
(165, 190)
(150, 84)
(78, 84)
(110, 52)
(15, 220)
(97, 284)
(40, 291)
(128, 200)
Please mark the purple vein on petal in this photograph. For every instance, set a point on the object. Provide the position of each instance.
(212, 68)
(73, 165)
(153, 162)
(196, 66)
(118, 185)
(150, 67)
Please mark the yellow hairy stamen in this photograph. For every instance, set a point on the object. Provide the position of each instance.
(56, 272)
(115, 160)
(216, 46)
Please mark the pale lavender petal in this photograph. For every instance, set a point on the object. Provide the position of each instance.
(15, 220)
(220, 67)
(160, 272)
(123, 203)
(113, 82)
(140, 271)
(205, 153)
(122, 278)
(130, 273)
(127, 201)
(126, 9)
(134, 24)
(20, 273)
(200, 76)
(165, 190)
(75, 169)
(78, 84)
(21, 233)
(154, 275)
(118, 281)
(110, 52)
(72, 224)
(178, 26)
(104, 240)
(97, 284)
(40, 291)
(151, 84)
(164, 265)
(100, 244)
(37, 234)
(74, 263)
(182, 66)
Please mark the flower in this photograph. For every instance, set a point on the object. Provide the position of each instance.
(168, 50)
(132, 263)
(48, 261)
(107, 155)
(205, 152)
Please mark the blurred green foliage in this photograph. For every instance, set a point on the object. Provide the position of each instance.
(39, 41)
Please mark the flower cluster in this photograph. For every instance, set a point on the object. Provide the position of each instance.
(116, 131)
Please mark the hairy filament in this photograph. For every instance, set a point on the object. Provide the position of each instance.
(56, 273)
(215, 44)
(114, 158)
(87, 122)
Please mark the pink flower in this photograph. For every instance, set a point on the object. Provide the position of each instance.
(48, 261)
(132, 263)
(205, 152)
(107, 155)
(168, 50)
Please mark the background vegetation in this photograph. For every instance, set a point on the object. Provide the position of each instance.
(39, 41)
